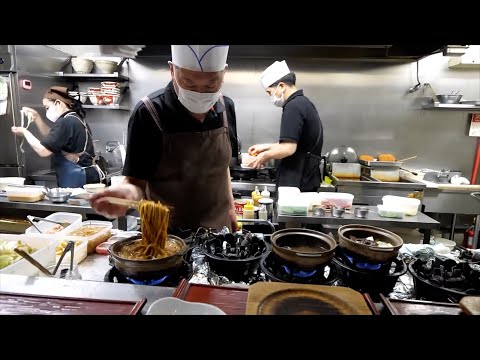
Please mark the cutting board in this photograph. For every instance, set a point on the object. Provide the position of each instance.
(269, 298)
(470, 305)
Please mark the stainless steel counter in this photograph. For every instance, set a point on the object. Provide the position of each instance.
(420, 221)
(45, 205)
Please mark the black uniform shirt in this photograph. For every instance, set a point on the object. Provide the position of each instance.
(143, 133)
(301, 124)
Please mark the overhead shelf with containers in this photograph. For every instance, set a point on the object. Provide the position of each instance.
(99, 83)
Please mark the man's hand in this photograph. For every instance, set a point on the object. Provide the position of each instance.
(258, 161)
(257, 149)
(123, 191)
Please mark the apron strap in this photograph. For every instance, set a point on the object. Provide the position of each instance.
(153, 112)
(75, 158)
(224, 114)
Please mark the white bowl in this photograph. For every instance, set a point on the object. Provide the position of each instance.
(93, 188)
(106, 66)
(174, 306)
(82, 66)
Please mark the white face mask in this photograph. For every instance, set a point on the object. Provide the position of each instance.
(52, 113)
(195, 102)
(277, 101)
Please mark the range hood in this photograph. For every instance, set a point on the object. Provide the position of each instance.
(128, 51)
(363, 52)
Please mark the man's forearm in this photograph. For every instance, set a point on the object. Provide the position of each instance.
(280, 150)
(231, 201)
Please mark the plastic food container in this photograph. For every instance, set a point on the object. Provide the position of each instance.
(80, 251)
(409, 205)
(5, 181)
(390, 211)
(48, 228)
(331, 199)
(313, 198)
(45, 254)
(294, 206)
(287, 190)
(24, 194)
(93, 231)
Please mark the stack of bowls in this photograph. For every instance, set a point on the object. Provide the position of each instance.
(95, 96)
(79, 95)
(110, 92)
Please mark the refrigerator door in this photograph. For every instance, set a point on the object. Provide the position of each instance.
(9, 153)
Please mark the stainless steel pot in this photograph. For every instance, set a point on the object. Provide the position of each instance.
(304, 248)
(372, 253)
(145, 269)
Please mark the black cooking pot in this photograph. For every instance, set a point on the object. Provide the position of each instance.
(305, 248)
(241, 262)
(146, 269)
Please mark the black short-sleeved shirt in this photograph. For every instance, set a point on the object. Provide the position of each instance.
(302, 125)
(68, 134)
(144, 136)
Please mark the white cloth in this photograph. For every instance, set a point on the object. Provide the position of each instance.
(3, 96)
(205, 58)
(273, 73)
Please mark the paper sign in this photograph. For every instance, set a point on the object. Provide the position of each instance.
(475, 125)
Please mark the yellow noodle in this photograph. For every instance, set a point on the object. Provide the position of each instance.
(153, 245)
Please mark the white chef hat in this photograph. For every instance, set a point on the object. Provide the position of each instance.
(274, 73)
(206, 58)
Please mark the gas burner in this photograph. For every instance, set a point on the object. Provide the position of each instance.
(361, 263)
(374, 282)
(444, 280)
(276, 269)
(172, 279)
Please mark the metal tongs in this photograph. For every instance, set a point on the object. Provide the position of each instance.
(70, 247)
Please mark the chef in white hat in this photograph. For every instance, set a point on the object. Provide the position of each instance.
(180, 142)
(301, 133)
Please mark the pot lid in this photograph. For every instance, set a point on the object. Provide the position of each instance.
(342, 154)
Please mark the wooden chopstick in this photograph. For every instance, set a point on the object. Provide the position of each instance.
(124, 202)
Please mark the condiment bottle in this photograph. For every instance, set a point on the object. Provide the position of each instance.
(265, 193)
(248, 211)
(256, 196)
(262, 212)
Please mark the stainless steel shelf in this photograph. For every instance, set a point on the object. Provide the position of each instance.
(91, 76)
(106, 107)
(436, 105)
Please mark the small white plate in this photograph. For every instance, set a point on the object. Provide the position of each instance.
(174, 306)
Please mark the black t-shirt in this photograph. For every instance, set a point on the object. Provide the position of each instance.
(302, 125)
(68, 134)
(144, 136)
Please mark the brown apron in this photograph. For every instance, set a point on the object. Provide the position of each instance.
(191, 176)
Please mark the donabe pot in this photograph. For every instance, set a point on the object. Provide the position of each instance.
(372, 253)
(146, 269)
(304, 248)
